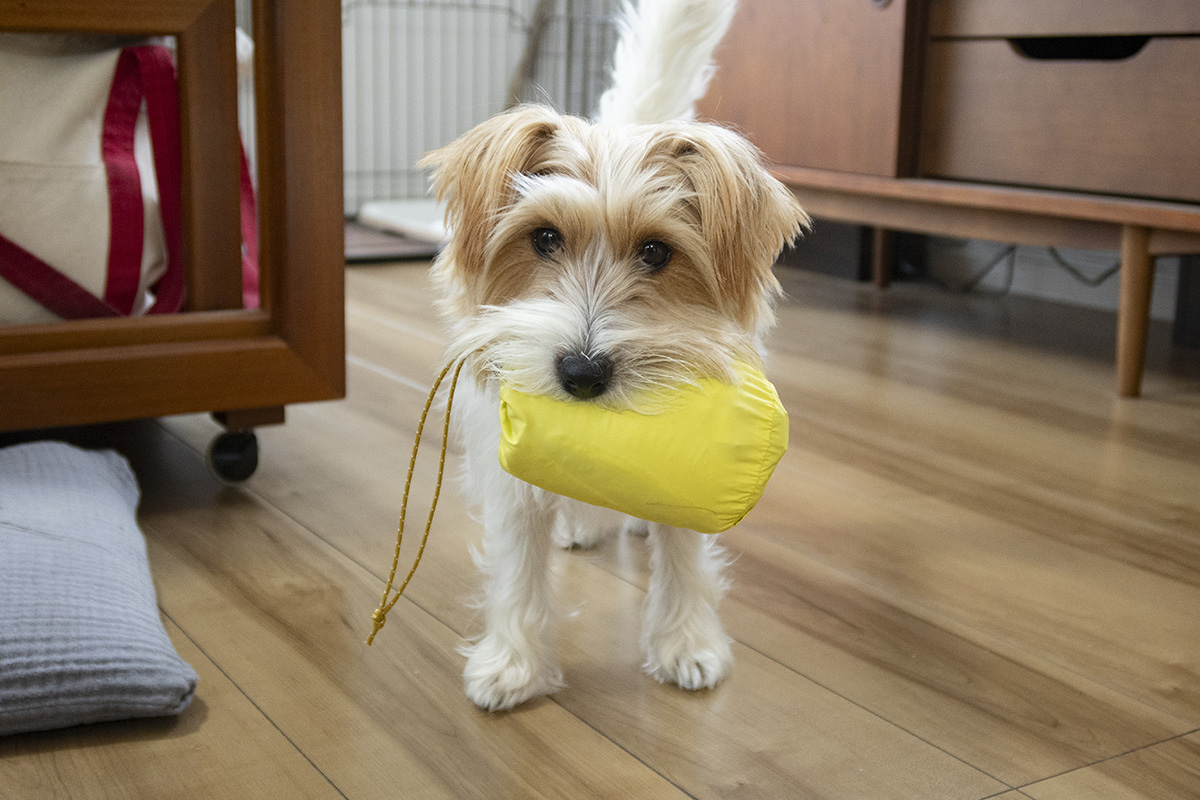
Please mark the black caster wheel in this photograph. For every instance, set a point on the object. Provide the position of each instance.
(233, 456)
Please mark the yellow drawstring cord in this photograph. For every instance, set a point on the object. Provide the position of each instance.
(379, 617)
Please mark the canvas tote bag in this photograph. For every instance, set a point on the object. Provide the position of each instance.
(90, 174)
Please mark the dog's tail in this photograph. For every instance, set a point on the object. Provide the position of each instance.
(663, 60)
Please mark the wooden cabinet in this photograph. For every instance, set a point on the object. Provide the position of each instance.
(246, 364)
(1073, 123)
(821, 83)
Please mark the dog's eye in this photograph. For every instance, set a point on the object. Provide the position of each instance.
(546, 241)
(654, 254)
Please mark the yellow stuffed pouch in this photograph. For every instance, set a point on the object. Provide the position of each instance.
(701, 462)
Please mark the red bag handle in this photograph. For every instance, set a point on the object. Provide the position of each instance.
(48, 286)
(250, 298)
(152, 68)
(126, 233)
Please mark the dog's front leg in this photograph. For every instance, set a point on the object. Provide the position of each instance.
(514, 659)
(684, 640)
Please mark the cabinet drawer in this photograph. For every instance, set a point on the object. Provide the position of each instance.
(949, 18)
(1128, 126)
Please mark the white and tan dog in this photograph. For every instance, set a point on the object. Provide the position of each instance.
(592, 262)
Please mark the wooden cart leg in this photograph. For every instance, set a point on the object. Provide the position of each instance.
(1133, 312)
(248, 418)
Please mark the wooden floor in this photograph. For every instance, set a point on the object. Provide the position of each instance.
(975, 574)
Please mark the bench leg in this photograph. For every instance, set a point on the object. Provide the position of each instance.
(883, 257)
(1133, 312)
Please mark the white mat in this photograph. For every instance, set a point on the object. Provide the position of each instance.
(416, 219)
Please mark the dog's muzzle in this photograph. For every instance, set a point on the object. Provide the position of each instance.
(584, 376)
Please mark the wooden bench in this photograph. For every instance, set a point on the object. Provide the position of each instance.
(1140, 229)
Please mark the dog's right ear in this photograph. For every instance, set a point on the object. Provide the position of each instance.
(474, 175)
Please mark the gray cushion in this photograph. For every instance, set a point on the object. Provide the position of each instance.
(81, 639)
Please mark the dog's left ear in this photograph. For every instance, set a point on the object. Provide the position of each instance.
(474, 179)
(746, 215)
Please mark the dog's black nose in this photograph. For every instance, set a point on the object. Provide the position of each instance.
(583, 376)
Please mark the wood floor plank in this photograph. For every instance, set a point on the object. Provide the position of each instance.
(283, 614)
(1118, 481)
(1145, 534)
(993, 488)
(765, 732)
(691, 739)
(1050, 355)
(1063, 708)
(1067, 719)
(973, 575)
(220, 746)
(1001, 707)
(1168, 771)
(1007, 573)
(1056, 720)
(1009, 712)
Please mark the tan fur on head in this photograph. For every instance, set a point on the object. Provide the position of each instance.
(746, 216)
(608, 190)
(474, 178)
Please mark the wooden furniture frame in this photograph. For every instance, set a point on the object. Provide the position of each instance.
(831, 90)
(244, 364)
(1140, 229)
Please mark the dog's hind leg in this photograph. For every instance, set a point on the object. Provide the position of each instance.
(684, 640)
(514, 658)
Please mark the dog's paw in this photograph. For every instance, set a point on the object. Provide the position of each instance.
(689, 661)
(498, 677)
(582, 527)
(577, 537)
(635, 527)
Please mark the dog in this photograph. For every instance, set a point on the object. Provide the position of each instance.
(592, 261)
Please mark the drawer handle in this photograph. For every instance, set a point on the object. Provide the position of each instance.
(1079, 48)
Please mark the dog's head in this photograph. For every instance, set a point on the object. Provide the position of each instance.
(600, 261)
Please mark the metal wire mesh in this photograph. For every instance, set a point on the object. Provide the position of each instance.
(417, 73)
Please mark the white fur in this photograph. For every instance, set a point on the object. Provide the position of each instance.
(513, 660)
(663, 61)
(603, 189)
